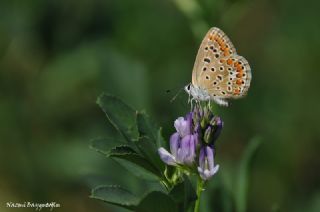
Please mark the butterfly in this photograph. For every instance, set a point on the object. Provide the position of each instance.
(219, 73)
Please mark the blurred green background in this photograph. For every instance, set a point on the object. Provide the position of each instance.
(56, 57)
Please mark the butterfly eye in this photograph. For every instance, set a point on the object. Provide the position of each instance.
(188, 87)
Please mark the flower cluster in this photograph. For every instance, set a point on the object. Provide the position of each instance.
(192, 145)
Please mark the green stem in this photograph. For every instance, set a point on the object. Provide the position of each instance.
(200, 184)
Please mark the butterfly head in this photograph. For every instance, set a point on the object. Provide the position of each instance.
(187, 88)
(196, 92)
(201, 94)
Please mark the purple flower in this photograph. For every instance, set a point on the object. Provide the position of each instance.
(182, 150)
(195, 137)
(206, 167)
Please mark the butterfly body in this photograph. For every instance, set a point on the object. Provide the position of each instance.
(219, 73)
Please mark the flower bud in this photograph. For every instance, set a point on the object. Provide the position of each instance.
(208, 134)
(217, 123)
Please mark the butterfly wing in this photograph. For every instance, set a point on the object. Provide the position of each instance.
(218, 69)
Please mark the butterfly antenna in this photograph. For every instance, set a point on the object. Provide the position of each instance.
(176, 95)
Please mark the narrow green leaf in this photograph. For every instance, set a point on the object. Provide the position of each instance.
(243, 174)
(184, 194)
(120, 115)
(115, 195)
(157, 201)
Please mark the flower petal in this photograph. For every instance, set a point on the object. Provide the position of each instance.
(174, 143)
(209, 155)
(183, 150)
(202, 158)
(167, 157)
(214, 170)
(182, 126)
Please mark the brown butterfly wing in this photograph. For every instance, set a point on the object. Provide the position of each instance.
(218, 69)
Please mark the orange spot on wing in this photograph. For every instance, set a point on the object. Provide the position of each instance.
(229, 61)
(239, 75)
(239, 81)
(226, 53)
(236, 91)
(239, 68)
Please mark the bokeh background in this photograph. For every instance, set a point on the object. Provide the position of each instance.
(56, 57)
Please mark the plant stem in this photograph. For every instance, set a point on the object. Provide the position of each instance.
(199, 191)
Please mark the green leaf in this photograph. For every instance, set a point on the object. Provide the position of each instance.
(137, 170)
(150, 152)
(135, 163)
(115, 195)
(127, 157)
(106, 145)
(148, 128)
(157, 201)
(120, 115)
(243, 172)
(184, 194)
